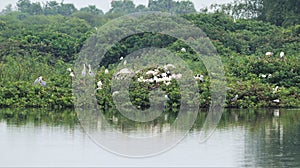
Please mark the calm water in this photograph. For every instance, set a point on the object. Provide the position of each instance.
(244, 138)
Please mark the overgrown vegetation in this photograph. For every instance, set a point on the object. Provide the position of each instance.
(45, 40)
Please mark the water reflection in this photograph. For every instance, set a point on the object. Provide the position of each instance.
(24, 116)
(243, 138)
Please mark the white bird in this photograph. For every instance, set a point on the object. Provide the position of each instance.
(150, 72)
(37, 80)
(115, 93)
(43, 83)
(69, 69)
(99, 85)
(141, 79)
(168, 66)
(281, 55)
(183, 50)
(72, 75)
(176, 76)
(83, 72)
(91, 73)
(263, 75)
(269, 53)
(199, 77)
(166, 96)
(276, 101)
(40, 81)
(167, 83)
(106, 71)
(121, 58)
(168, 73)
(275, 90)
(270, 76)
(235, 98)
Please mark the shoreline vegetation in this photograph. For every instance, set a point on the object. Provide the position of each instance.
(259, 50)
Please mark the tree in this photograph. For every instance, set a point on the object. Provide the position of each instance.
(278, 12)
(141, 8)
(122, 7)
(184, 7)
(162, 5)
(66, 9)
(51, 8)
(26, 6)
(92, 9)
(7, 9)
(171, 6)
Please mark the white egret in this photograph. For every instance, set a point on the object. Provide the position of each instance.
(281, 55)
(183, 50)
(72, 75)
(115, 93)
(263, 75)
(269, 53)
(91, 73)
(150, 72)
(168, 73)
(167, 83)
(276, 101)
(37, 80)
(275, 90)
(106, 71)
(199, 77)
(83, 72)
(121, 58)
(235, 98)
(169, 66)
(40, 81)
(270, 76)
(99, 85)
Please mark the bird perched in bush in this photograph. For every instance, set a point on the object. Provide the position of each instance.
(235, 98)
(91, 73)
(40, 81)
(281, 55)
(269, 53)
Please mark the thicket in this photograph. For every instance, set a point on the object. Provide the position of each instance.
(46, 44)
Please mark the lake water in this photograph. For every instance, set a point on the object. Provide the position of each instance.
(243, 138)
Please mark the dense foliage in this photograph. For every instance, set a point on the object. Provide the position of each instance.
(45, 40)
(278, 12)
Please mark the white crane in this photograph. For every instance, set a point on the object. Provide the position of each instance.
(235, 98)
(91, 73)
(83, 72)
(281, 55)
(99, 85)
(40, 81)
(106, 71)
(275, 90)
(72, 75)
(199, 77)
(269, 53)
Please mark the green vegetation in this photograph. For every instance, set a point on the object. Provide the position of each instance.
(45, 40)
